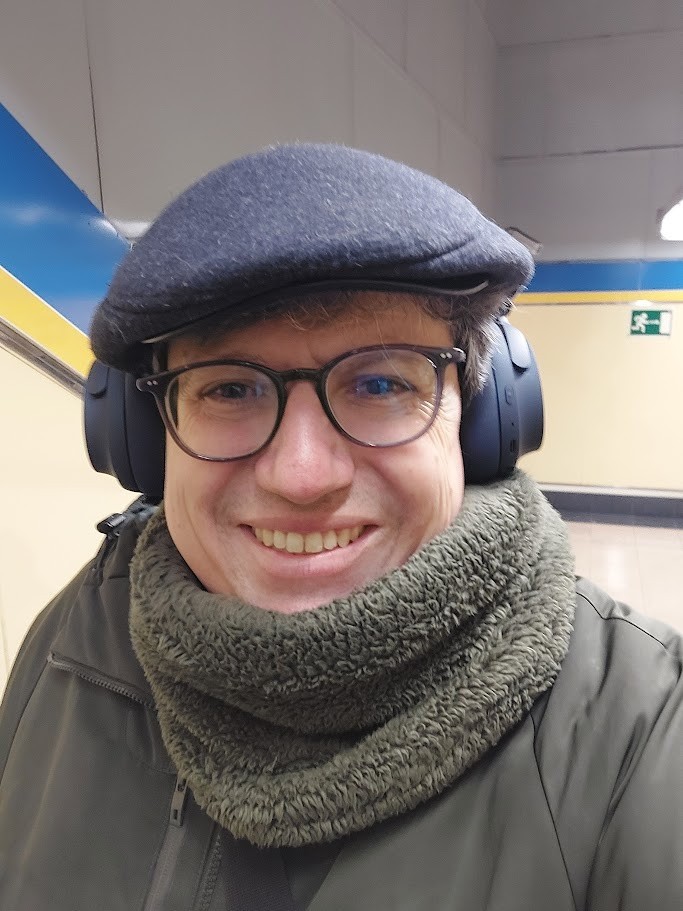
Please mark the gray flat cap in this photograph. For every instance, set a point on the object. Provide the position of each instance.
(289, 217)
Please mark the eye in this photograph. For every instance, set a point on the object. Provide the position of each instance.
(380, 386)
(233, 392)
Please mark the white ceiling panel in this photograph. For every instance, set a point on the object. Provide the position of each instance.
(383, 20)
(180, 88)
(673, 13)
(462, 162)
(45, 83)
(523, 98)
(598, 95)
(435, 51)
(481, 55)
(532, 21)
(391, 115)
(614, 93)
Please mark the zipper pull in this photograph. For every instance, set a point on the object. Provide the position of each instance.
(178, 802)
(111, 524)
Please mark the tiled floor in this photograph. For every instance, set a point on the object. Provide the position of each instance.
(639, 565)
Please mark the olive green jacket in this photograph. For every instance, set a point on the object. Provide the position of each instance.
(580, 807)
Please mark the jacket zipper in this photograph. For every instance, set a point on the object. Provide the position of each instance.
(167, 861)
(176, 832)
(92, 676)
(212, 869)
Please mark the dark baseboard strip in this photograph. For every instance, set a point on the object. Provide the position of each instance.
(617, 509)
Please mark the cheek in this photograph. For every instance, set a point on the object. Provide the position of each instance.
(179, 479)
(429, 474)
(179, 500)
(447, 472)
(190, 491)
(195, 496)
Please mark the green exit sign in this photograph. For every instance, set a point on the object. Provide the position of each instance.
(651, 322)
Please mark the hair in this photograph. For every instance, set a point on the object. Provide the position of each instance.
(470, 319)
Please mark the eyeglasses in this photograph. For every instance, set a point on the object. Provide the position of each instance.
(382, 395)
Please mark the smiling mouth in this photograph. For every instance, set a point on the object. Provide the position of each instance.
(313, 543)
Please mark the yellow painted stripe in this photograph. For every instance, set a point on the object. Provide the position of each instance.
(598, 297)
(30, 314)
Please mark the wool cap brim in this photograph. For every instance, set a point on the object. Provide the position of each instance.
(289, 217)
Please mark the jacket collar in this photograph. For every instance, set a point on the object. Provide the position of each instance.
(94, 641)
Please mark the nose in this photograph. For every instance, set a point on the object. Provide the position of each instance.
(307, 459)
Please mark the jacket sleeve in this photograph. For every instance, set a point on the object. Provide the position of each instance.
(638, 863)
(31, 661)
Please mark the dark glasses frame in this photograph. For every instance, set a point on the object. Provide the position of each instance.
(157, 384)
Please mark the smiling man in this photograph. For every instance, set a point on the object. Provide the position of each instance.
(305, 515)
(328, 671)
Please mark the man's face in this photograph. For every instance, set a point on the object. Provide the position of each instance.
(310, 479)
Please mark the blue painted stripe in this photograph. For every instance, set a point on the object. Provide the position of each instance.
(608, 275)
(661, 275)
(52, 238)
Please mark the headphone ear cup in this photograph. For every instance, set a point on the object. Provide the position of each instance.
(480, 434)
(505, 419)
(124, 433)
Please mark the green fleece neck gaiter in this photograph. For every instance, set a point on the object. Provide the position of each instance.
(298, 729)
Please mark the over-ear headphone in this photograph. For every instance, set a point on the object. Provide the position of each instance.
(505, 419)
(125, 435)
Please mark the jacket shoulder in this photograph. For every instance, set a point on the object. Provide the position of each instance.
(610, 726)
(32, 657)
(645, 634)
(110, 561)
(619, 662)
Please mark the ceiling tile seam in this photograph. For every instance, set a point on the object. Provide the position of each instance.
(615, 151)
(354, 23)
(467, 76)
(92, 104)
(416, 83)
(601, 36)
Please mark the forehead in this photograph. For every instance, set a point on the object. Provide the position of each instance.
(324, 332)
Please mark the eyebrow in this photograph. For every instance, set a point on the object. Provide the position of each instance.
(233, 356)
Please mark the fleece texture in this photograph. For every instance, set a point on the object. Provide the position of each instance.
(298, 729)
(295, 215)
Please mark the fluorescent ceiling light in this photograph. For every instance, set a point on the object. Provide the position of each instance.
(671, 222)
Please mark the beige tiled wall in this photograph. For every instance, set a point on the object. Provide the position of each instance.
(51, 498)
(612, 400)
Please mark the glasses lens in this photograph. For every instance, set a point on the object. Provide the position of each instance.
(383, 397)
(223, 411)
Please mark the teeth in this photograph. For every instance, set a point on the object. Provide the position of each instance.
(330, 540)
(313, 543)
(294, 543)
